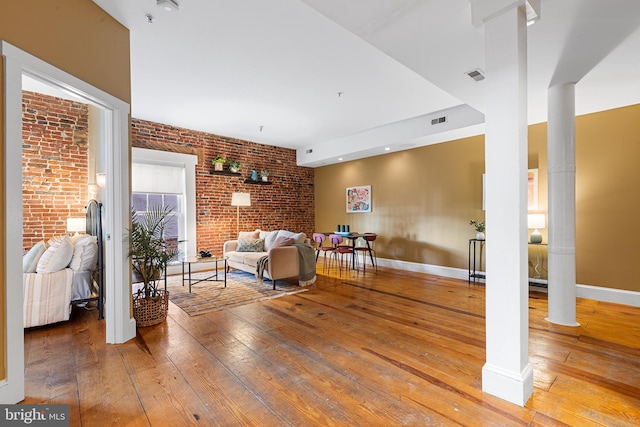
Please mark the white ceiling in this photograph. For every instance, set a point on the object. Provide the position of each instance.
(349, 78)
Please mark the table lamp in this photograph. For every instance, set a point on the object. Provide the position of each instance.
(76, 225)
(535, 221)
(237, 200)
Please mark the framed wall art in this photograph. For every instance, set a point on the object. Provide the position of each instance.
(359, 199)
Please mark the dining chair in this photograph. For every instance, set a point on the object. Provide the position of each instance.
(340, 251)
(319, 240)
(364, 250)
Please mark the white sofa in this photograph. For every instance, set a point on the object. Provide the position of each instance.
(283, 249)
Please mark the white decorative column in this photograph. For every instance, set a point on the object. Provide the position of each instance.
(561, 148)
(507, 373)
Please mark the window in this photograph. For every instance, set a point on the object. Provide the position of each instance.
(160, 178)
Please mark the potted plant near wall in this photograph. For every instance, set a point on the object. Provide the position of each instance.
(264, 175)
(479, 227)
(150, 253)
(218, 163)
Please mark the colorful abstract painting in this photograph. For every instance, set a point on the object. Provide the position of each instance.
(359, 199)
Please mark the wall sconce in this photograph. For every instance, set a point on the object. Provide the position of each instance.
(101, 179)
(535, 221)
(76, 225)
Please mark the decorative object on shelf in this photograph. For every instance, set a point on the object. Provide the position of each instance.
(150, 253)
(254, 175)
(535, 221)
(234, 165)
(218, 163)
(479, 227)
(237, 200)
(264, 175)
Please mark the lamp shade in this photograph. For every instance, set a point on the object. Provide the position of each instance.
(240, 199)
(76, 225)
(535, 221)
(101, 179)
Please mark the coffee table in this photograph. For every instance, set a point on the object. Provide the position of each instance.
(197, 260)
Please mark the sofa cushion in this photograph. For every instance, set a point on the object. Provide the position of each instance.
(251, 245)
(251, 258)
(31, 258)
(246, 258)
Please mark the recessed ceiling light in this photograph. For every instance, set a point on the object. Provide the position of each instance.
(387, 148)
(168, 5)
(339, 159)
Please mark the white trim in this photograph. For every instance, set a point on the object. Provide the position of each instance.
(597, 293)
(514, 387)
(438, 270)
(617, 296)
(12, 389)
(188, 162)
(116, 194)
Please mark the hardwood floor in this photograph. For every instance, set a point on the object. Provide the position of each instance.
(376, 349)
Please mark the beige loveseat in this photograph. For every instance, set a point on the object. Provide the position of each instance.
(286, 255)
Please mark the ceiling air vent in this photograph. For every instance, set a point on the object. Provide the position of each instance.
(439, 120)
(476, 74)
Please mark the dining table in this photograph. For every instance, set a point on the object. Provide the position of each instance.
(353, 236)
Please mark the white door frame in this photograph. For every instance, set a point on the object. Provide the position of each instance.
(114, 149)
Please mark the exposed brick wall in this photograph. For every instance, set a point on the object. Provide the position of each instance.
(54, 165)
(286, 204)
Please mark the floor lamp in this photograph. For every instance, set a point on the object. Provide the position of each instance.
(237, 200)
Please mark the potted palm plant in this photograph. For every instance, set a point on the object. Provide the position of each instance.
(150, 252)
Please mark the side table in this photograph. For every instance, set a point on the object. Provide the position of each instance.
(195, 260)
(474, 273)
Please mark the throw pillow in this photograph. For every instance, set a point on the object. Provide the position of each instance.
(247, 235)
(251, 245)
(85, 254)
(281, 241)
(269, 238)
(56, 257)
(31, 258)
(297, 237)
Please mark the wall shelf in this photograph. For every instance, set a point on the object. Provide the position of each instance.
(228, 173)
(250, 181)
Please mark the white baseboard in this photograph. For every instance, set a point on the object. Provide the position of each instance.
(617, 296)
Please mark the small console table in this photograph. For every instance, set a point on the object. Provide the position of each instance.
(474, 246)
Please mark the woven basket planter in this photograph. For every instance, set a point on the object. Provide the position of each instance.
(151, 311)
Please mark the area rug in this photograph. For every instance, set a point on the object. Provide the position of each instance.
(242, 288)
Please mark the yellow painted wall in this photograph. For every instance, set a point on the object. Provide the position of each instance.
(77, 37)
(423, 199)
